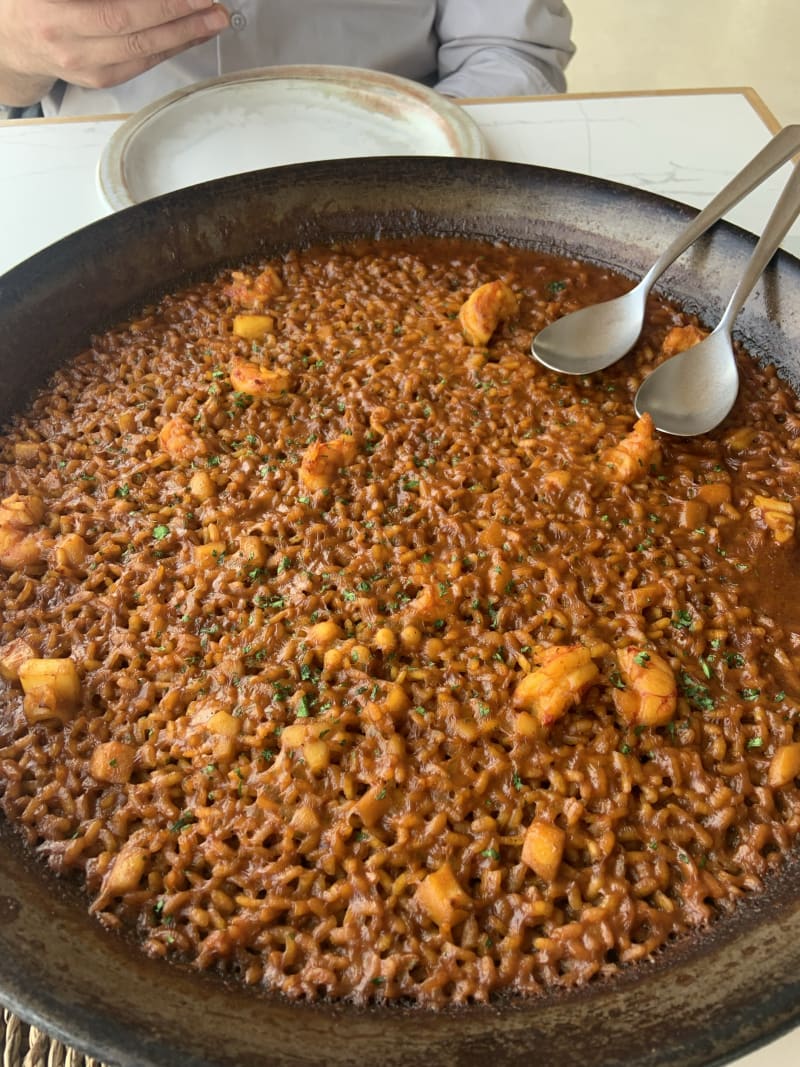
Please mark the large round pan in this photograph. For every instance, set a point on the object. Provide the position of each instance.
(704, 1000)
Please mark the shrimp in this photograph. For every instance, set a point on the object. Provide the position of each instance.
(778, 515)
(485, 309)
(255, 380)
(650, 696)
(679, 338)
(179, 439)
(564, 674)
(21, 543)
(254, 292)
(322, 459)
(634, 454)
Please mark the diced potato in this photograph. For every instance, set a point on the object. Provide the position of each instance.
(253, 327)
(210, 554)
(543, 848)
(714, 493)
(485, 309)
(225, 724)
(254, 380)
(12, 656)
(784, 766)
(71, 552)
(253, 550)
(58, 675)
(692, 513)
(295, 736)
(442, 898)
(201, 486)
(26, 453)
(317, 755)
(112, 762)
(322, 461)
(778, 516)
(373, 805)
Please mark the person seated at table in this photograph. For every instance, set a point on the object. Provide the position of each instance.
(77, 57)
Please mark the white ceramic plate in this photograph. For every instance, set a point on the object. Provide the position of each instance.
(276, 115)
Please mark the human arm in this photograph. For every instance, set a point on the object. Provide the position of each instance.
(510, 48)
(94, 43)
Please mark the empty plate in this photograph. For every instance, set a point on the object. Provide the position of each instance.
(276, 115)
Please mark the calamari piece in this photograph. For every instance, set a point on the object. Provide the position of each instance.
(255, 380)
(485, 309)
(124, 874)
(650, 696)
(179, 439)
(778, 515)
(22, 544)
(784, 766)
(112, 761)
(12, 657)
(564, 674)
(633, 456)
(254, 292)
(322, 461)
(679, 338)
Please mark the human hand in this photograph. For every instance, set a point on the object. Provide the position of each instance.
(94, 43)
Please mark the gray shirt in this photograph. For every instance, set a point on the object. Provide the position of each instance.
(462, 47)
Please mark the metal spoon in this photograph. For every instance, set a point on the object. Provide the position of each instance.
(595, 337)
(692, 392)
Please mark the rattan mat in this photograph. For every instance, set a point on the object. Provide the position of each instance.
(25, 1046)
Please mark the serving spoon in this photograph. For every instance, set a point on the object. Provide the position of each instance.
(594, 337)
(692, 392)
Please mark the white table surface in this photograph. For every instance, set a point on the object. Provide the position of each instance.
(681, 145)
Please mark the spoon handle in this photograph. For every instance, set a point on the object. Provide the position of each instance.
(778, 224)
(779, 150)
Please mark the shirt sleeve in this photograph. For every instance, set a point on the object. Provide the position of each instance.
(502, 48)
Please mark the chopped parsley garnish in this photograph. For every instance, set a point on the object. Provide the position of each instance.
(185, 820)
(696, 693)
(682, 620)
(160, 532)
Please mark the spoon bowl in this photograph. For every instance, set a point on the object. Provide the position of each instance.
(691, 393)
(694, 391)
(595, 337)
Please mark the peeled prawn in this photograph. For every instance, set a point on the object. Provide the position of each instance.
(564, 674)
(485, 309)
(650, 696)
(634, 454)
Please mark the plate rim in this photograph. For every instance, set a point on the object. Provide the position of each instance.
(461, 129)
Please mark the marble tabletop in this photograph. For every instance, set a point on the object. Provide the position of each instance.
(683, 145)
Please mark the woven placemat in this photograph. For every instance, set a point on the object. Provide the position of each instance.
(25, 1046)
